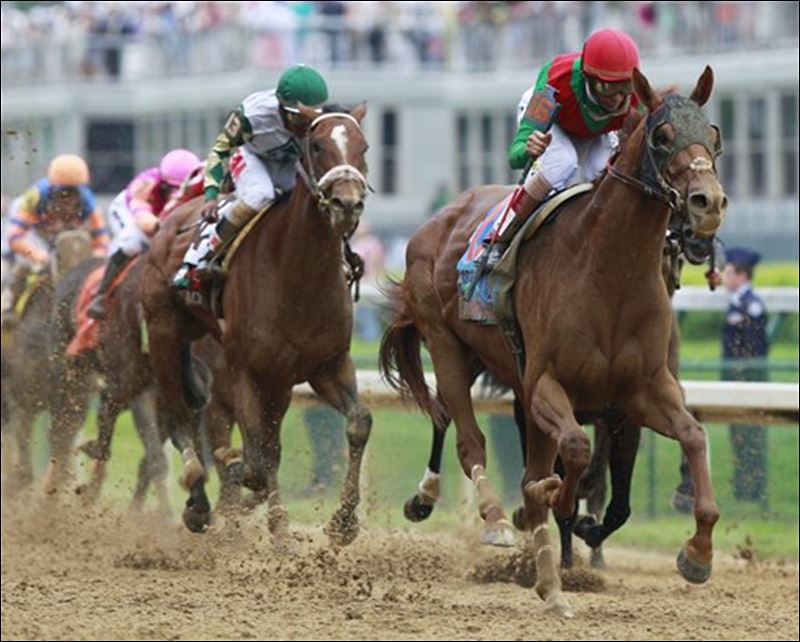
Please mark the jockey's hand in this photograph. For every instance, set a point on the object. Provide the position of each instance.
(537, 143)
(714, 278)
(100, 252)
(209, 211)
(148, 223)
(39, 259)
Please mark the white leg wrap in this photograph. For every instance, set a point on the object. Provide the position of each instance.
(430, 487)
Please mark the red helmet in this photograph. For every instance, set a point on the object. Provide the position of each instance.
(610, 55)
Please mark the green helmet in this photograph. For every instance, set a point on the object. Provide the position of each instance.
(301, 84)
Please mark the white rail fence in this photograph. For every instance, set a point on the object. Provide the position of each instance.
(711, 401)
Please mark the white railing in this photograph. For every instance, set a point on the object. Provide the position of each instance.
(711, 401)
(688, 298)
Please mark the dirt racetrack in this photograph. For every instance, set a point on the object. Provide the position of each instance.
(101, 575)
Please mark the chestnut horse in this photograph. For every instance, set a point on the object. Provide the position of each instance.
(288, 319)
(595, 317)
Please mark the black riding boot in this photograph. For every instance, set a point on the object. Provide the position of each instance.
(117, 263)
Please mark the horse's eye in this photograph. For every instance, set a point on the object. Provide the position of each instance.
(661, 139)
(316, 147)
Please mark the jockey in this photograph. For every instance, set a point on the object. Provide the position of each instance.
(61, 200)
(133, 216)
(191, 188)
(262, 140)
(595, 92)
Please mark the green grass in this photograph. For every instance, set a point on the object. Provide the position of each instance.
(398, 453)
(785, 274)
(399, 448)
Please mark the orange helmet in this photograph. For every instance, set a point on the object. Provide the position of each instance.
(68, 170)
(610, 55)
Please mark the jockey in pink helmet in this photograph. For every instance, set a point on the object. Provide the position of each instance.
(594, 90)
(133, 216)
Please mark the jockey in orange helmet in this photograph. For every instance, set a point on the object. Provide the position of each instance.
(61, 200)
(594, 90)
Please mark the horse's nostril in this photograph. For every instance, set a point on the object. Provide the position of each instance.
(358, 208)
(724, 202)
(698, 201)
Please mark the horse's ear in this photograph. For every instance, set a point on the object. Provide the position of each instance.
(702, 91)
(647, 96)
(359, 111)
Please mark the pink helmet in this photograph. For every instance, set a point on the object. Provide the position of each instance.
(177, 165)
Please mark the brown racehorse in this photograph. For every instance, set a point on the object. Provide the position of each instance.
(288, 319)
(31, 366)
(594, 314)
(125, 368)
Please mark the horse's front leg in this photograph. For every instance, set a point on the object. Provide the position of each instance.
(259, 409)
(337, 386)
(660, 406)
(552, 412)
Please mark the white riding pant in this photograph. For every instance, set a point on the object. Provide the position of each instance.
(567, 159)
(126, 235)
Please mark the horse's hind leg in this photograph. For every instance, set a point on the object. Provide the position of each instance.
(454, 377)
(623, 438)
(420, 506)
(153, 466)
(175, 417)
(337, 385)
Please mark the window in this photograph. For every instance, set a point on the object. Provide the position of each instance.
(462, 148)
(789, 144)
(727, 162)
(389, 138)
(110, 154)
(487, 149)
(756, 134)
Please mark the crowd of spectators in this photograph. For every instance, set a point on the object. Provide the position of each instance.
(136, 39)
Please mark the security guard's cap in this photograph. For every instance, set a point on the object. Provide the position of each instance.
(742, 257)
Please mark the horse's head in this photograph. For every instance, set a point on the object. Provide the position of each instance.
(72, 247)
(336, 165)
(680, 151)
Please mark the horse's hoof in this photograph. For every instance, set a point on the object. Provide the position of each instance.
(692, 571)
(518, 518)
(544, 491)
(196, 521)
(285, 544)
(236, 472)
(500, 533)
(587, 528)
(558, 606)
(597, 560)
(416, 511)
(343, 527)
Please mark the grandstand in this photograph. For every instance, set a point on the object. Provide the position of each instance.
(123, 84)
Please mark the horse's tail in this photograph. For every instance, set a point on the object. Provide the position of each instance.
(399, 359)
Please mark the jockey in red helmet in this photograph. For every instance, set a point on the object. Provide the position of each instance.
(594, 90)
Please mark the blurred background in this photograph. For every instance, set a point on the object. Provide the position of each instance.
(124, 82)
